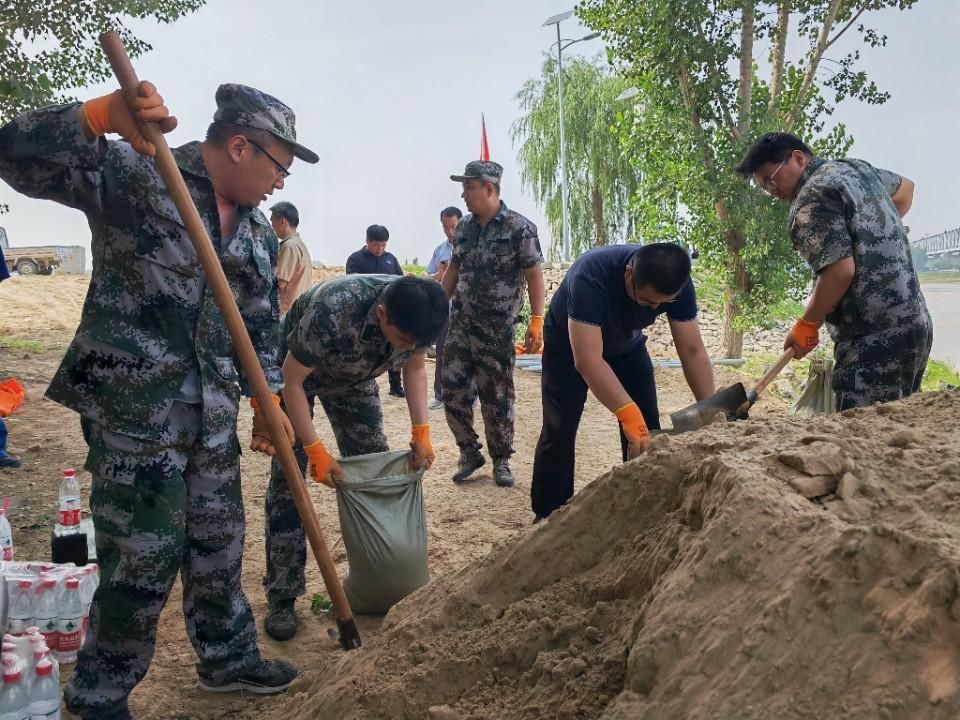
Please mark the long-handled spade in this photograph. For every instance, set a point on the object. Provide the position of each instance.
(348, 635)
(732, 402)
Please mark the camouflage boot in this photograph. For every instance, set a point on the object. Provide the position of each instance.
(281, 620)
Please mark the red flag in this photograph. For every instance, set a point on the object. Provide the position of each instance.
(484, 147)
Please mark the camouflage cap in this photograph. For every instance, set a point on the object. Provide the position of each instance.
(249, 107)
(485, 170)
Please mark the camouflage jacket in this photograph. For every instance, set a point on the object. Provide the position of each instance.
(149, 317)
(333, 329)
(491, 262)
(843, 208)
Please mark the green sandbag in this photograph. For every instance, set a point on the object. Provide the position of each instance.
(384, 528)
(817, 397)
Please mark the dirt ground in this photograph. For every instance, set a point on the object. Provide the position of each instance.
(465, 522)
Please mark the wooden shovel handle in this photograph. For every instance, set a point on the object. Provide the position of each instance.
(167, 166)
(768, 377)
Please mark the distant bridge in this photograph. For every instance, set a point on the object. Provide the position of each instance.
(941, 244)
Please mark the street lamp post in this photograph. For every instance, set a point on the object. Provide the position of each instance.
(564, 192)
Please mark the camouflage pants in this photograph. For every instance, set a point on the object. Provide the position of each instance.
(478, 360)
(159, 508)
(357, 421)
(883, 367)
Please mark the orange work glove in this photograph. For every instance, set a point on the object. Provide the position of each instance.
(804, 337)
(111, 114)
(422, 449)
(634, 428)
(261, 441)
(323, 468)
(533, 340)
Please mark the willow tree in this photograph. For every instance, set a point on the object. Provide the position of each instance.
(601, 180)
(712, 76)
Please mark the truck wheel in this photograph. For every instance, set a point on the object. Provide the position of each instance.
(27, 267)
(50, 270)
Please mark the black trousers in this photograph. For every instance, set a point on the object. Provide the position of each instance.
(396, 379)
(564, 393)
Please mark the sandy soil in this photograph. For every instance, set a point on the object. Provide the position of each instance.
(465, 523)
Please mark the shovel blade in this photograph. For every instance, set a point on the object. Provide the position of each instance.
(726, 403)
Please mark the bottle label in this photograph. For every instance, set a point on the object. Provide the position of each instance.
(17, 626)
(8, 553)
(70, 631)
(48, 628)
(70, 517)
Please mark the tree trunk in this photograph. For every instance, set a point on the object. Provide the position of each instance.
(598, 224)
(779, 53)
(738, 285)
(746, 68)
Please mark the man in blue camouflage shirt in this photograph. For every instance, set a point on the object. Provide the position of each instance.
(152, 373)
(845, 220)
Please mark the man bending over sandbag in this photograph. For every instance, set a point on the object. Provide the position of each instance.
(338, 337)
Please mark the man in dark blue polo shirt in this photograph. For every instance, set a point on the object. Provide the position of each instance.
(593, 339)
(373, 259)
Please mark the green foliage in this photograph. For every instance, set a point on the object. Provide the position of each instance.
(17, 344)
(414, 269)
(919, 259)
(940, 276)
(600, 178)
(710, 290)
(939, 376)
(320, 603)
(50, 48)
(695, 116)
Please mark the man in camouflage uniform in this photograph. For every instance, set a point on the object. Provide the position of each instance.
(845, 220)
(338, 337)
(151, 371)
(495, 253)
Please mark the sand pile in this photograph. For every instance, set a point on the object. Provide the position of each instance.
(706, 581)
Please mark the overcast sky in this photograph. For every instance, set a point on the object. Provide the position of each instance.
(389, 94)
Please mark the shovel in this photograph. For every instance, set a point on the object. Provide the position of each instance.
(346, 631)
(732, 402)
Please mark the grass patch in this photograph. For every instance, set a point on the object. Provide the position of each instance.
(15, 344)
(939, 376)
(320, 603)
(939, 276)
(415, 269)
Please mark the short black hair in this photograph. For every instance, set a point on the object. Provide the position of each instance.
(417, 307)
(219, 132)
(773, 147)
(665, 266)
(287, 211)
(451, 211)
(377, 233)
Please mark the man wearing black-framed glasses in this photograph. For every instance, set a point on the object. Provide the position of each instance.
(845, 220)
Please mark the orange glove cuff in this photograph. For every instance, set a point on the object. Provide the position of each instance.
(536, 324)
(256, 406)
(420, 433)
(631, 419)
(97, 114)
(806, 334)
(319, 459)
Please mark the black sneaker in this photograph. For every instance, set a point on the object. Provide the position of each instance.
(470, 462)
(501, 473)
(123, 714)
(397, 392)
(281, 620)
(265, 678)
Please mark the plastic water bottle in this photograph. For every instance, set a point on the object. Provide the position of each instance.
(69, 623)
(45, 611)
(45, 692)
(68, 522)
(6, 537)
(14, 703)
(20, 614)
